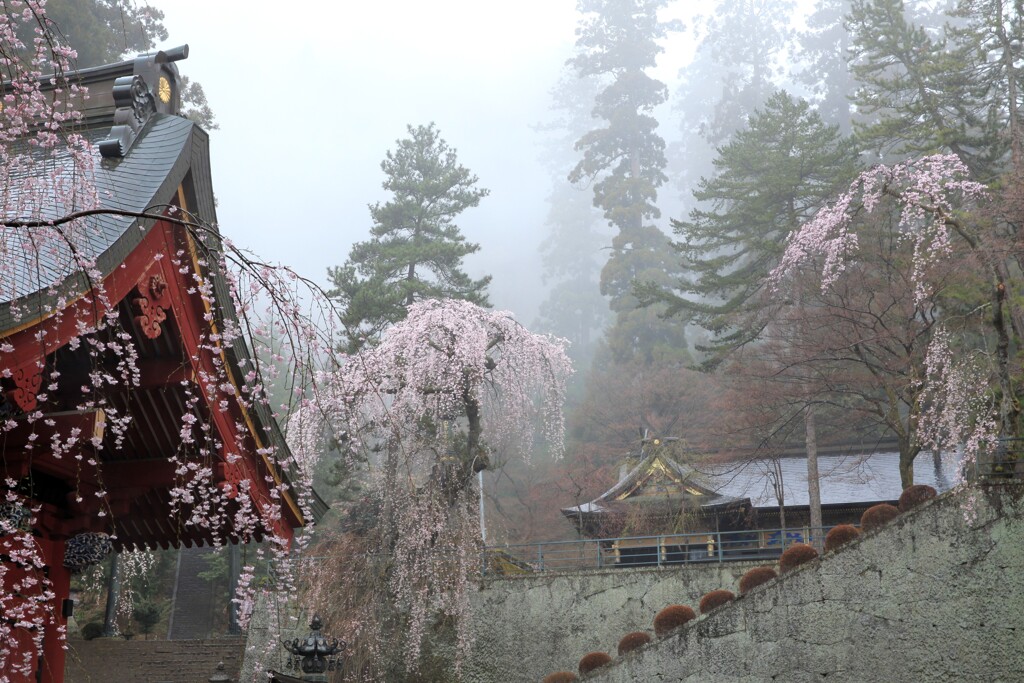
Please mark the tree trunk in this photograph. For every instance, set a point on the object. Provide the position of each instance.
(906, 471)
(113, 586)
(908, 453)
(813, 485)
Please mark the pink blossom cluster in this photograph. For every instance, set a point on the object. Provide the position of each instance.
(930, 191)
(961, 411)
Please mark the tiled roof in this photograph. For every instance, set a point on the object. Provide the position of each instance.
(153, 168)
(844, 478)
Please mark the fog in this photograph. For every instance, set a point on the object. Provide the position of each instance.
(308, 102)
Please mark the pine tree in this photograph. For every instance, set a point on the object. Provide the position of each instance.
(571, 253)
(914, 95)
(823, 47)
(416, 250)
(625, 157)
(770, 178)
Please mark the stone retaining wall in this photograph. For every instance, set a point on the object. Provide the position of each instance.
(528, 626)
(937, 595)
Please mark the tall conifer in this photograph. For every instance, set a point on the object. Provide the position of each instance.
(416, 249)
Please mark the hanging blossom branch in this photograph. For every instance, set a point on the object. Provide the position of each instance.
(960, 416)
(48, 203)
(445, 389)
(930, 193)
(33, 131)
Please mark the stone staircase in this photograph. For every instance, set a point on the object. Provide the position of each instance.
(194, 603)
(113, 660)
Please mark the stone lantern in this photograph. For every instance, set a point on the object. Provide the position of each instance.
(315, 655)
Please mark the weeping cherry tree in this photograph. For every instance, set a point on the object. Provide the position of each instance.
(446, 392)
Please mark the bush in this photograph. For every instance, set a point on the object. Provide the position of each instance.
(592, 661)
(878, 515)
(755, 577)
(715, 599)
(672, 617)
(913, 496)
(840, 535)
(795, 555)
(92, 630)
(146, 615)
(560, 677)
(632, 641)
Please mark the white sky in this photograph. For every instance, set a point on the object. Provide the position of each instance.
(309, 100)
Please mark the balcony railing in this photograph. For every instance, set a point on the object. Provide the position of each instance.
(645, 551)
(1005, 461)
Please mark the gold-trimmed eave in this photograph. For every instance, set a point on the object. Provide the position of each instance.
(250, 423)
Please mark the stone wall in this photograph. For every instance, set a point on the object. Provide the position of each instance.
(528, 626)
(937, 595)
(113, 660)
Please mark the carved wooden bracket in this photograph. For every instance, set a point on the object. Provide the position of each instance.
(27, 382)
(152, 304)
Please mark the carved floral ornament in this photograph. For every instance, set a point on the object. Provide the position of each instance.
(152, 304)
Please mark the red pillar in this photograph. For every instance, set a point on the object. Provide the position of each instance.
(50, 661)
(54, 638)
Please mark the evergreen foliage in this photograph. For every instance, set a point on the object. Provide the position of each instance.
(770, 178)
(916, 93)
(416, 249)
(102, 31)
(625, 158)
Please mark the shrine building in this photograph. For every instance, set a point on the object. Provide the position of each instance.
(669, 508)
(177, 418)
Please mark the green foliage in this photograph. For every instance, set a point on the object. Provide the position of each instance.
(770, 178)
(102, 31)
(924, 89)
(416, 250)
(743, 41)
(147, 615)
(105, 31)
(92, 630)
(824, 45)
(572, 252)
(625, 159)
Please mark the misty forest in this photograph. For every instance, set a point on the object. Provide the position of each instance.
(805, 239)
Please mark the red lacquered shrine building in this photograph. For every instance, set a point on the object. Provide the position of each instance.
(133, 444)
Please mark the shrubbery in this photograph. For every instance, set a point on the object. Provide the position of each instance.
(913, 496)
(92, 630)
(715, 599)
(560, 677)
(878, 515)
(755, 577)
(672, 617)
(592, 661)
(632, 641)
(840, 535)
(795, 555)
